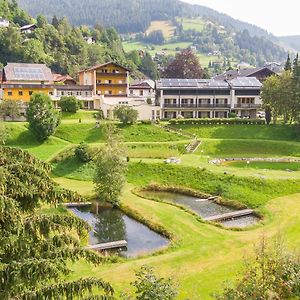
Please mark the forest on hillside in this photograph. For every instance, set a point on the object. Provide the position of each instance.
(61, 46)
(130, 15)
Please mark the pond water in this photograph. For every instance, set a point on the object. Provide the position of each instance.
(241, 222)
(203, 208)
(113, 225)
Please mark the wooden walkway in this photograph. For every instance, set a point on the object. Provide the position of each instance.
(231, 215)
(108, 246)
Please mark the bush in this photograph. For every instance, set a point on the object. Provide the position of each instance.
(82, 153)
(126, 114)
(272, 274)
(146, 122)
(149, 286)
(69, 104)
(228, 121)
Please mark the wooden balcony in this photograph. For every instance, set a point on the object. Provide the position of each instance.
(197, 105)
(247, 106)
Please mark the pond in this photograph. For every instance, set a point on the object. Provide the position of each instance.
(203, 208)
(243, 222)
(113, 225)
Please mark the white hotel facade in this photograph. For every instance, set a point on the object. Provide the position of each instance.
(208, 98)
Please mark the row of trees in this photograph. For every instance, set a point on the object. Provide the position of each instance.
(281, 94)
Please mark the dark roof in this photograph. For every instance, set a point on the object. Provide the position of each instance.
(27, 72)
(104, 65)
(143, 84)
(249, 72)
(191, 84)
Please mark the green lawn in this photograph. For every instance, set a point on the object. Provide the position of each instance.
(272, 132)
(248, 148)
(21, 137)
(293, 166)
(202, 256)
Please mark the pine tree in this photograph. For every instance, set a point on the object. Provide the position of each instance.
(288, 64)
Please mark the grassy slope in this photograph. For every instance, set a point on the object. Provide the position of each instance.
(166, 27)
(248, 148)
(254, 192)
(278, 132)
(267, 165)
(20, 136)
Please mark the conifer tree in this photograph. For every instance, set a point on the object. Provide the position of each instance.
(288, 64)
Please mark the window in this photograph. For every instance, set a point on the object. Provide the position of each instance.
(62, 93)
(110, 92)
(109, 81)
(9, 93)
(30, 93)
(20, 93)
(51, 93)
(141, 93)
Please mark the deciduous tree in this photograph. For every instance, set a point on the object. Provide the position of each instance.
(43, 118)
(69, 104)
(110, 167)
(185, 65)
(126, 114)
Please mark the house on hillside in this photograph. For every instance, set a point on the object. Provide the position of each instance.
(4, 22)
(208, 98)
(28, 28)
(108, 80)
(259, 73)
(20, 81)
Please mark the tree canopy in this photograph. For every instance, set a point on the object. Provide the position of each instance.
(185, 65)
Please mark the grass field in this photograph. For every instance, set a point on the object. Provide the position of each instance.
(166, 27)
(248, 148)
(293, 166)
(202, 256)
(196, 24)
(257, 132)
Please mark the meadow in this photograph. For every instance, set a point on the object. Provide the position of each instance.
(201, 256)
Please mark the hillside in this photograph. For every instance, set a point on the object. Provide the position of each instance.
(131, 15)
(292, 41)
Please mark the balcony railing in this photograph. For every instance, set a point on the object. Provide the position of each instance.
(112, 84)
(196, 105)
(247, 105)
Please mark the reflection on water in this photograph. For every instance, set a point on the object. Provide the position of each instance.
(113, 225)
(203, 208)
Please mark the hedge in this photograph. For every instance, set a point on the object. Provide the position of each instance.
(217, 121)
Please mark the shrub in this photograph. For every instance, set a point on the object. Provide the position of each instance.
(127, 115)
(82, 153)
(272, 274)
(146, 122)
(69, 104)
(149, 286)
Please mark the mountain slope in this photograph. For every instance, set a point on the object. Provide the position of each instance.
(293, 41)
(130, 15)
